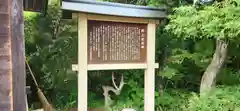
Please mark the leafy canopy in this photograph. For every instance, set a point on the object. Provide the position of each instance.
(220, 20)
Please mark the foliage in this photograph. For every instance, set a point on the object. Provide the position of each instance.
(172, 100)
(212, 22)
(53, 48)
(183, 51)
(222, 99)
(220, 20)
(233, 77)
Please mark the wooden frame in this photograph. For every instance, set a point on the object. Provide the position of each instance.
(83, 66)
(119, 19)
(149, 78)
(92, 67)
(82, 58)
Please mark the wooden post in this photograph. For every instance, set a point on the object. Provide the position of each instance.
(12, 70)
(82, 63)
(149, 79)
(18, 55)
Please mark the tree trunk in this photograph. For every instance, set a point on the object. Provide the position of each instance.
(209, 76)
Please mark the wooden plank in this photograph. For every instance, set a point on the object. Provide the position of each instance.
(18, 56)
(12, 70)
(113, 66)
(5, 58)
(117, 18)
(82, 63)
(149, 79)
(151, 21)
(118, 66)
(5, 83)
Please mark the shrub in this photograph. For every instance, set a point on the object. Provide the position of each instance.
(223, 98)
(172, 100)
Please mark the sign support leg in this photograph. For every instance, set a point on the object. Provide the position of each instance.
(149, 86)
(82, 63)
(149, 78)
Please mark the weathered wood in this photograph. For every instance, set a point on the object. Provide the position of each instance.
(5, 60)
(12, 70)
(18, 55)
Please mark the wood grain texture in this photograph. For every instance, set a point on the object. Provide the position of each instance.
(12, 69)
(17, 55)
(5, 60)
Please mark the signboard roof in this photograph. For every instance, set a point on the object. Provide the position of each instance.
(115, 9)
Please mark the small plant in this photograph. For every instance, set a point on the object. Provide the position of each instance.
(223, 98)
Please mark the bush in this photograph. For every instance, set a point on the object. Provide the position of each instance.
(223, 98)
(228, 77)
(172, 100)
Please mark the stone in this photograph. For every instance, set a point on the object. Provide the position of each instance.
(128, 109)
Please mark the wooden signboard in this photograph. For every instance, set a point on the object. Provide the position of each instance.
(114, 36)
(116, 42)
(110, 43)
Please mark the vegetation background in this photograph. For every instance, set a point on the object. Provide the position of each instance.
(187, 49)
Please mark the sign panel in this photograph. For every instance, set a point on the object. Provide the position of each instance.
(116, 42)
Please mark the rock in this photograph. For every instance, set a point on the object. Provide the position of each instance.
(128, 109)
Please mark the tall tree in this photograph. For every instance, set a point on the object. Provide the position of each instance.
(220, 21)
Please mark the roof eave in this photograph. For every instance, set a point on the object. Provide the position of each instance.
(141, 12)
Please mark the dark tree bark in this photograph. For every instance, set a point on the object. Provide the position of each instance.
(210, 74)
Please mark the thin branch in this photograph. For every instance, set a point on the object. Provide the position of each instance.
(121, 83)
(116, 90)
(113, 81)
